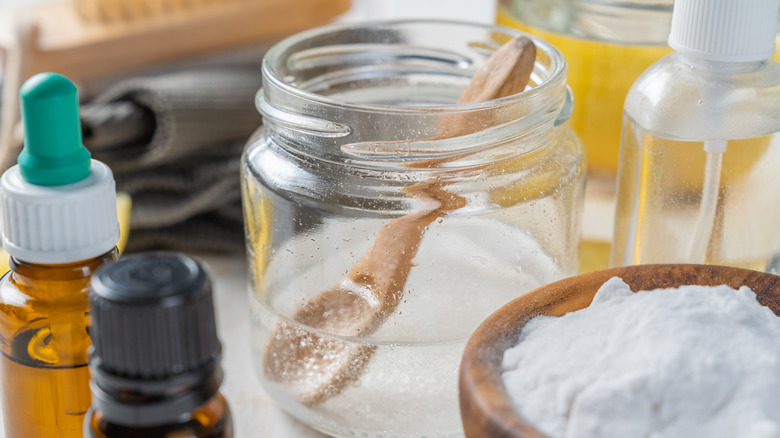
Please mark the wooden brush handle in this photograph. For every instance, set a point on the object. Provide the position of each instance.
(128, 10)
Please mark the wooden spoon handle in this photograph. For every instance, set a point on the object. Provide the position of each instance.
(386, 267)
(505, 73)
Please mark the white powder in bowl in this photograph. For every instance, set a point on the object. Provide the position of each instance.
(690, 362)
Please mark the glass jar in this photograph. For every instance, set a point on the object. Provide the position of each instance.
(351, 181)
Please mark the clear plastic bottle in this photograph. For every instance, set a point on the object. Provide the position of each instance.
(698, 180)
(60, 225)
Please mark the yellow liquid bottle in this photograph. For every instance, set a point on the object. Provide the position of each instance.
(59, 225)
(607, 46)
(604, 59)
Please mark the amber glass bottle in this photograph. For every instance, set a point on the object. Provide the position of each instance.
(210, 420)
(45, 378)
(156, 357)
(59, 226)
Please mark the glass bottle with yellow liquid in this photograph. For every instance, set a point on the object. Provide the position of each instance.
(698, 179)
(607, 45)
(59, 225)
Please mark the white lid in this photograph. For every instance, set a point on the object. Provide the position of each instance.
(725, 30)
(59, 224)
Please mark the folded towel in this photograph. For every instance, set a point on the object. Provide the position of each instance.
(174, 142)
(194, 113)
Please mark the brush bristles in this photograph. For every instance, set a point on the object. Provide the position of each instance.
(130, 10)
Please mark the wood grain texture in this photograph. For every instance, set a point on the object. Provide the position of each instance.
(486, 409)
(89, 50)
(505, 73)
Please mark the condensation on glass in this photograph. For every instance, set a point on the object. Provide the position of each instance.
(352, 120)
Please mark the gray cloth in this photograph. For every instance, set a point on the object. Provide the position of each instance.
(122, 127)
(174, 142)
(210, 232)
(194, 112)
(165, 196)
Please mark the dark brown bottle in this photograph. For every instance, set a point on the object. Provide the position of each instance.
(155, 359)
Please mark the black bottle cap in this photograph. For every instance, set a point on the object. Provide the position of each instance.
(152, 330)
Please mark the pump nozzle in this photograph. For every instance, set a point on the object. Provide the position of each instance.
(53, 152)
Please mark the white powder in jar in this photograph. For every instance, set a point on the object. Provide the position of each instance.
(694, 361)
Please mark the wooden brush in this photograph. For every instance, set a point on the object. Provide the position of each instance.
(108, 11)
(89, 40)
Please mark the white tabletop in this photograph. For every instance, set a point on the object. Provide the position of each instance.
(254, 413)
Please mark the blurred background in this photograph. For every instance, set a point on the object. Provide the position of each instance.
(167, 90)
(167, 93)
(167, 101)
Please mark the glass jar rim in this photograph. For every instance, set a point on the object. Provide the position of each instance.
(272, 59)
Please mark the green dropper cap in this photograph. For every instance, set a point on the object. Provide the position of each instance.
(53, 153)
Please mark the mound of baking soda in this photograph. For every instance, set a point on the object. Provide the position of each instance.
(694, 361)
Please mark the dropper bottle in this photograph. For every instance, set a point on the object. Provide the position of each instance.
(59, 226)
(698, 179)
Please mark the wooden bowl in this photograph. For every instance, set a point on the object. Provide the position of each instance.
(485, 407)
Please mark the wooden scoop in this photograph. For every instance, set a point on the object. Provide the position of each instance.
(318, 367)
